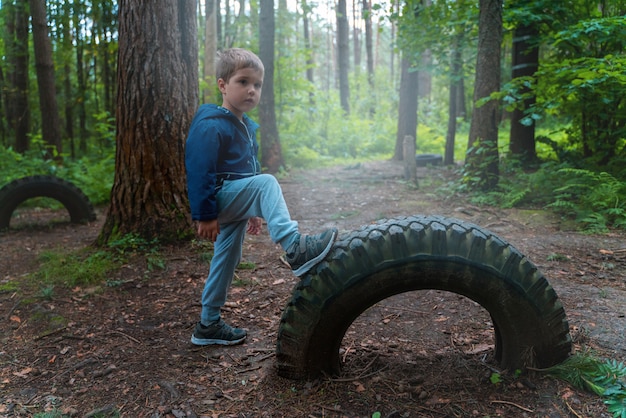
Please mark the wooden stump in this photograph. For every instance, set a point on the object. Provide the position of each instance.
(410, 165)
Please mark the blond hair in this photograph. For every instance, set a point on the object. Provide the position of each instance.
(232, 60)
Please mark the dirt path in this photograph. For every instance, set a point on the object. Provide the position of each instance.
(100, 350)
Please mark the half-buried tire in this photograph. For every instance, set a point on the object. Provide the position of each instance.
(71, 197)
(414, 253)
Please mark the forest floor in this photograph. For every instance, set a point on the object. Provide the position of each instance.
(124, 350)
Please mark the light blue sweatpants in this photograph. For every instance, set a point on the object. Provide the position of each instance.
(238, 201)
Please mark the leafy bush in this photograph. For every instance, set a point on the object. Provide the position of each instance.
(597, 200)
(94, 176)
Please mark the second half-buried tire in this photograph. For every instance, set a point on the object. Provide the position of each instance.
(414, 253)
(71, 197)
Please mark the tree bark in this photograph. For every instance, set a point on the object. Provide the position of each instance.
(82, 85)
(481, 164)
(50, 120)
(369, 49)
(525, 64)
(356, 37)
(271, 153)
(306, 10)
(210, 52)
(343, 54)
(16, 90)
(456, 68)
(407, 108)
(157, 81)
(410, 164)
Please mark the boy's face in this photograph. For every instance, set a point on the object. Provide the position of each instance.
(242, 92)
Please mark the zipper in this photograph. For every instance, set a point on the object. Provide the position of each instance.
(251, 142)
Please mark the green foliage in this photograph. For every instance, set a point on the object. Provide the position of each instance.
(47, 292)
(557, 257)
(246, 265)
(495, 378)
(583, 78)
(480, 171)
(316, 131)
(93, 175)
(597, 200)
(606, 378)
(133, 244)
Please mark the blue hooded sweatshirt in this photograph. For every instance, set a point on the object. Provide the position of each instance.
(219, 147)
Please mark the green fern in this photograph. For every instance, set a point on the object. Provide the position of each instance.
(596, 199)
(606, 378)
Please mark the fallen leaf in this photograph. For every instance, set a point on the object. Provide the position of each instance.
(24, 372)
(479, 348)
(359, 386)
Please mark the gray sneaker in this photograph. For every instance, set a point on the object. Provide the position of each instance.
(218, 333)
(309, 250)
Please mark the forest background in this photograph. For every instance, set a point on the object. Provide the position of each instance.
(525, 99)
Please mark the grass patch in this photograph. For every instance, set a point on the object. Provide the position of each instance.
(8, 287)
(83, 267)
(344, 215)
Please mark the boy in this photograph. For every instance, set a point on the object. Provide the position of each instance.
(227, 192)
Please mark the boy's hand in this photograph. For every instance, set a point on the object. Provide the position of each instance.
(208, 229)
(254, 226)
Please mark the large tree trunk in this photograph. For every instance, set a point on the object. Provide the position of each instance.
(50, 120)
(16, 90)
(343, 54)
(271, 153)
(407, 108)
(525, 64)
(481, 164)
(157, 81)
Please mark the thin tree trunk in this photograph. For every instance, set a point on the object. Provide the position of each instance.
(82, 89)
(3, 125)
(309, 49)
(16, 91)
(210, 52)
(50, 121)
(307, 41)
(356, 38)
(343, 54)
(525, 64)
(367, 12)
(456, 66)
(69, 100)
(482, 155)
(407, 109)
(271, 153)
